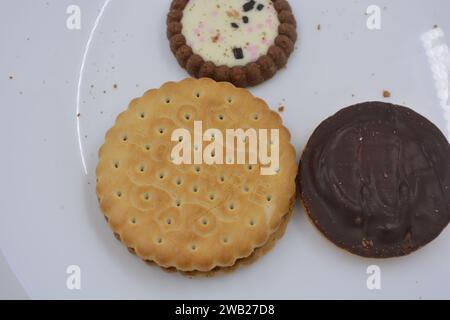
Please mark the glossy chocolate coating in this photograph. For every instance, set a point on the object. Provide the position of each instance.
(375, 180)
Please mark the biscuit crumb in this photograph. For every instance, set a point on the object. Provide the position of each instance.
(216, 38)
(281, 109)
(386, 94)
(233, 14)
(78, 115)
(367, 243)
(319, 27)
(115, 86)
(435, 26)
(11, 77)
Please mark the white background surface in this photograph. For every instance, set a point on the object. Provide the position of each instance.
(49, 217)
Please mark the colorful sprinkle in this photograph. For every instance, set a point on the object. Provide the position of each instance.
(230, 32)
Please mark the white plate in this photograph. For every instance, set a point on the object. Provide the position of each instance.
(49, 213)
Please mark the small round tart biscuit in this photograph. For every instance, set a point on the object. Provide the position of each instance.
(375, 180)
(209, 214)
(242, 42)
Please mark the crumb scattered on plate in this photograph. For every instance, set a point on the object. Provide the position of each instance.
(386, 94)
(281, 109)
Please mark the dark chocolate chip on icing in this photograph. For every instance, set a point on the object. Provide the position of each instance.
(234, 25)
(245, 19)
(260, 7)
(375, 180)
(249, 5)
(238, 53)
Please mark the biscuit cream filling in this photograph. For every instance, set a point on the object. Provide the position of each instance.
(230, 32)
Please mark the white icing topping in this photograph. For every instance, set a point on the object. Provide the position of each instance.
(223, 32)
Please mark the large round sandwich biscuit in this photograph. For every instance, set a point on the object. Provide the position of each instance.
(194, 217)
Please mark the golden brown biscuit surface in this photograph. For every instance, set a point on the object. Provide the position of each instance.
(191, 217)
(255, 256)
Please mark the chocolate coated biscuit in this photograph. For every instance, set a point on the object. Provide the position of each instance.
(375, 180)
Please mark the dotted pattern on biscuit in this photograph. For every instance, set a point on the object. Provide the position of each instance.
(257, 254)
(191, 217)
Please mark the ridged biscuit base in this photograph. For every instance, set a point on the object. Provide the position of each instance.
(255, 256)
